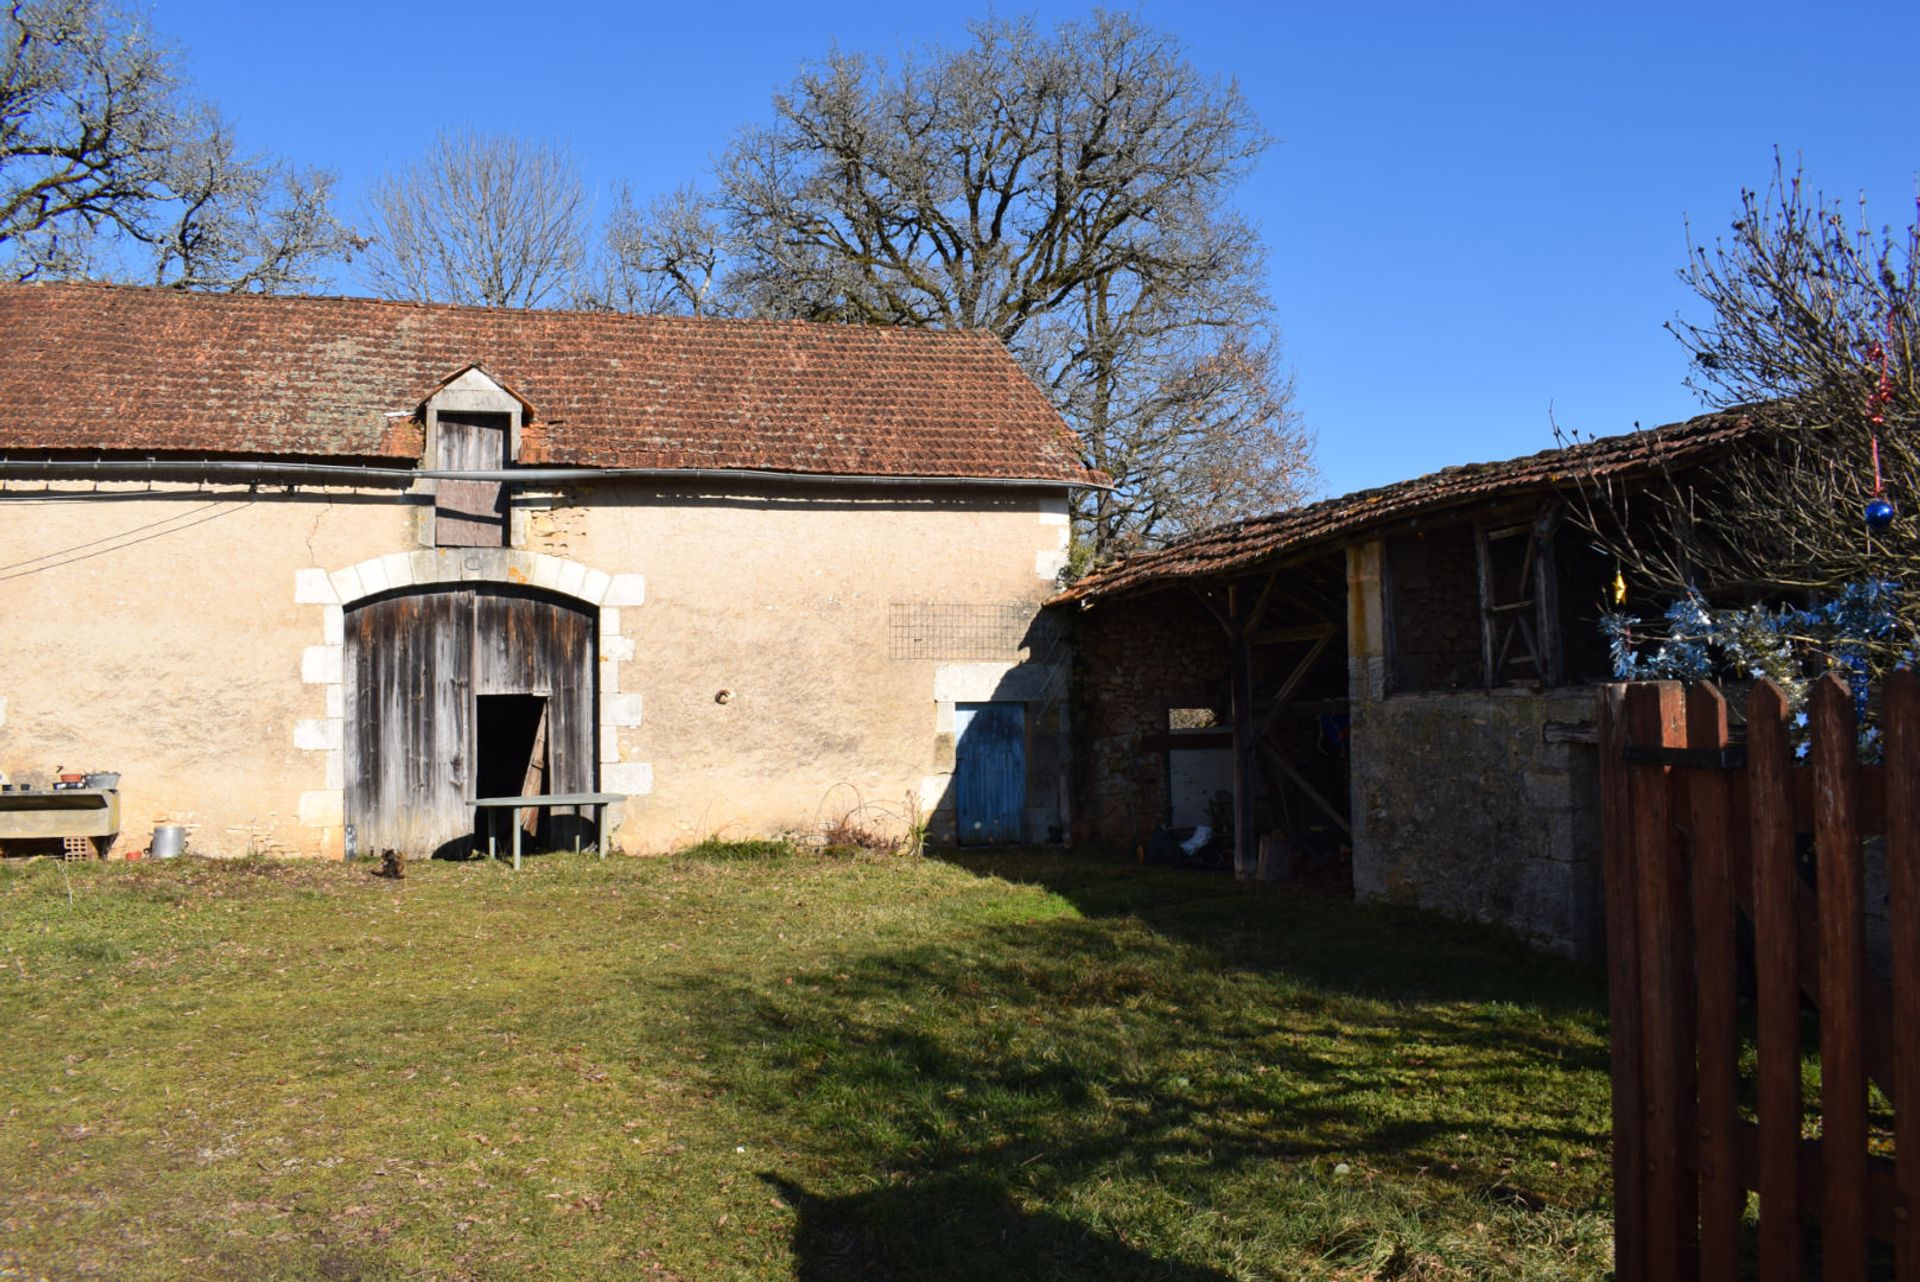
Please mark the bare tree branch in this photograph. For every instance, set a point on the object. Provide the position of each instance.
(1065, 192)
(108, 169)
(481, 219)
(1812, 319)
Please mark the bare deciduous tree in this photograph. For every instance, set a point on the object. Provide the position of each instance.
(109, 169)
(662, 259)
(1067, 193)
(1812, 321)
(482, 219)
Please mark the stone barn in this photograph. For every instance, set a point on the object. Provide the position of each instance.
(1402, 676)
(312, 575)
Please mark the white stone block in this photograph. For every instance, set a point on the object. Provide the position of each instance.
(323, 808)
(968, 682)
(431, 567)
(609, 745)
(317, 734)
(573, 577)
(933, 791)
(609, 676)
(987, 682)
(634, 778)
(398, 567)
(373, 575)
(1048, 562)
(593, 588)
(943, 716)
(333, 624)
(626, 589)
(336, 770)
(346, 584)
(313, 587)
(616, 649)
(336, 701)
(609, 622)
(621, 710)
(546, 571)
(321, 665)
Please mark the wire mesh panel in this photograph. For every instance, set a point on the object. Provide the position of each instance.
(944, 630)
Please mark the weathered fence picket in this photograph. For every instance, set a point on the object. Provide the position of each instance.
(1702, 831)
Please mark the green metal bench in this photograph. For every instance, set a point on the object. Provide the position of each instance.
(595, 801)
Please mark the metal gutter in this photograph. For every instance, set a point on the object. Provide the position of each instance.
(339, 473)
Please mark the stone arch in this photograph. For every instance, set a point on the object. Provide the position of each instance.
(332, 591)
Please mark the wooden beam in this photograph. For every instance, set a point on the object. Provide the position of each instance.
(1484, 563)
(1311, 793)
(1280, 636)
(1245, 840)
(1546, 595)
(1292, 683)
(1260, 606)
(1225, 623)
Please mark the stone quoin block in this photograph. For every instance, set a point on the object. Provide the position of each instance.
(593, 587)
(346, 584)
(634, 778)
(625, 589)
(318, 734)
(321, 665)
(313, 587)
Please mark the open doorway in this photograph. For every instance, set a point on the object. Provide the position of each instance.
(510, 753)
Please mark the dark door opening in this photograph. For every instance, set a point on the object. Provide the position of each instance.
(510, 754)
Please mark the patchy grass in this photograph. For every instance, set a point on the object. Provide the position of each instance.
(774, 1065)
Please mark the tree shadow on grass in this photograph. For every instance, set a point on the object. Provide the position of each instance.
(956, 1226)
(1186, 1050)
(1313, 934)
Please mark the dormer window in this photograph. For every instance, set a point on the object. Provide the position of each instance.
(473, 425)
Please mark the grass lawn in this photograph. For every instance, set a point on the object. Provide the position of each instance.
(1019, 1065)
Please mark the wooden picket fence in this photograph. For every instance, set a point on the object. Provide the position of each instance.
(1700, 832)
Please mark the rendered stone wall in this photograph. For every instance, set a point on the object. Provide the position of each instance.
(781, 599)
(160, 631)
(189, 637)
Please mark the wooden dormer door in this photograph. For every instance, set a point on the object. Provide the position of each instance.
(470, 514)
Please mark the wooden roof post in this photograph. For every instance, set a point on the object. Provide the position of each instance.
(1246, 842)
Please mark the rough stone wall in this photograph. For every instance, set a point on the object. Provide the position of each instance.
(1461, 806)
(1436, 610)
(1133, 659)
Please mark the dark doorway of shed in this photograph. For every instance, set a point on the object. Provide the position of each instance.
(510, 751)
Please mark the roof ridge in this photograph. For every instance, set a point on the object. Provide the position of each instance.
(256, 298)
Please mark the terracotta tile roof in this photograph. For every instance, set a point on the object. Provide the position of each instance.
(1325, 525)
(102, 368)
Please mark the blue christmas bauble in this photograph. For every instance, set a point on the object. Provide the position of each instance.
(1879, 514)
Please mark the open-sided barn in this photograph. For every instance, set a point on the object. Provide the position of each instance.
(1404, 673)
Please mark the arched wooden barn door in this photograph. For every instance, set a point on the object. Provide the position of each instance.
(453, 693)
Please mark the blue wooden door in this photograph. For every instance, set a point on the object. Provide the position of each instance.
(990, 771)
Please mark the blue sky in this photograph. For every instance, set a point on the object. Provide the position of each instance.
(1473, 212)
